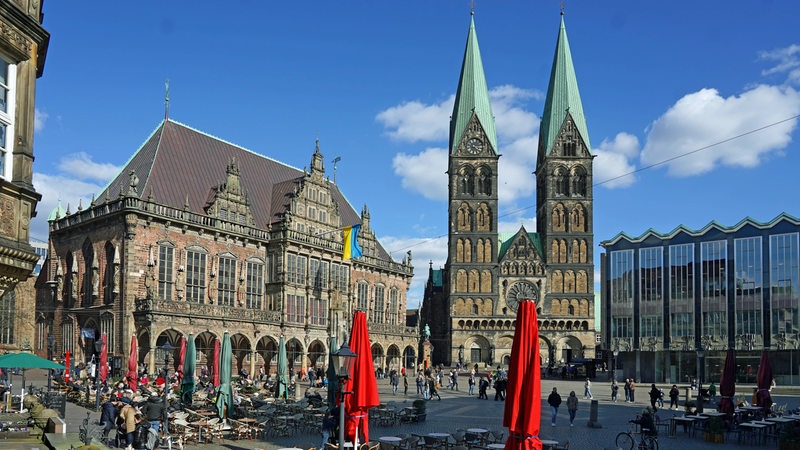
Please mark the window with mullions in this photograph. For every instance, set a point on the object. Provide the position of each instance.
(319, 311)
(255, 284)
(195, 276)
(339, 278)
(393, 305)
(681, 290)
(651, 285)
(107, 328)
(319, 273)
(7, 87)
(226, 282)
(8, 311)
(295, 308)
(296, 268)
(68, 336)
(713, 298)
(165, 263)
(749, 285)
(621, 272)
(784, 260)
(363, 296)
(380, 301)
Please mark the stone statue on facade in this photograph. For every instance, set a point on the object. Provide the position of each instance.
(426, 332)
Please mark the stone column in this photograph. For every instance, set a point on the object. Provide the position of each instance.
(151, 357)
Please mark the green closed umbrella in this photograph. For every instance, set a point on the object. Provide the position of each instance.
(333, 380)
(224, 391)
(189, 363)
(282, 390)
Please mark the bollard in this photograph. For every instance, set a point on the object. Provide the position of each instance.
(593, 410)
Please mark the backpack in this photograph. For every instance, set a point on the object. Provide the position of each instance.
(152, 439)
(140, 434)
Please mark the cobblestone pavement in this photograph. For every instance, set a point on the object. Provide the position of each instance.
(459, 410)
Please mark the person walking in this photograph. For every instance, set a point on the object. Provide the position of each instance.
(587, 389)
(572, 407)
(455, 380)
(433, 390)
(654, 394)
(471, 382)
(554, 400)
(405, 384)
(420, 383)
(394, 380)
(627, 390)
(127, 416)
(673, 396)
(633, 390)
(482, 387)
(614, 391)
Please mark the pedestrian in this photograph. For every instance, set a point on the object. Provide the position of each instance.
(329, 424)
(627, 390)
(405, 384)
(108, 417)
(420, 380)
(673, 396)
(482, 387)
(614, 391)
(127, 416)
(394, 381)
(554, 400)
(433, 390)
(154, 411)
(633, 390)
(572, 407)
(712, 391)
(455, 380)
(587, 389)
(660, 400)
(471, 383)
(498, 389)
(654, 394)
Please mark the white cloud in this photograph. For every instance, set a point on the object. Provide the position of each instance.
(59, 188)
(423, 252)
(704, 118)
(511, 226)
(415, 121)
(613, 161)
(787, 60)
(423, 173)
(39, 119)
(80, 165)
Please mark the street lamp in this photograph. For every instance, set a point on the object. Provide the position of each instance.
(614, 364)
(167, 349)
(700, 354)
(343, 363)
(51, 342)
(98, 348)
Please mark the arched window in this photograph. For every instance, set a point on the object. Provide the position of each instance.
(578, 179)
(484, 218)
(89, 275)
(466, 180)
(485, 180)
(560, 181)
(109, 278)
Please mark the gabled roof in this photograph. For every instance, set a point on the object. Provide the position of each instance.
(178, 163)
(694, 233)
(472, 94)
(506, 239)
(562, 97)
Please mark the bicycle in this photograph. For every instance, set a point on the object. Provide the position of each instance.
(626, 440)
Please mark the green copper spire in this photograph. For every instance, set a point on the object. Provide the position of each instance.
(472, 95)
(562, 97)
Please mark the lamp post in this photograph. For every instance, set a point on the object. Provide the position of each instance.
(98, 348)
(614, 364)
(700, 354)
(51, 342)
(167, 349)
(343, 363)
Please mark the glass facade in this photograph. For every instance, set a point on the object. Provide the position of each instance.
(713, 295)
(651, 288)
(621, 273)
(681, 291)
(784, 282)
(195, 276)
(748, 293)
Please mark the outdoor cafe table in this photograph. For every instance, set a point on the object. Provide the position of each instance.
(713, 414)
(393, 441)
(548, 444)
(755, 428)
(201, 425)
(675, 420)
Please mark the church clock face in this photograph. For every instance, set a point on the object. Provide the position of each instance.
(519, 291)
(474, 146)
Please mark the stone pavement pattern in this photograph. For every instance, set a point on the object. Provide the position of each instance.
(459, 410)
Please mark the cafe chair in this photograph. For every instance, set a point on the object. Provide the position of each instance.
(564, 446)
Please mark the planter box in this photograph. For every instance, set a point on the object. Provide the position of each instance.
(14, 434)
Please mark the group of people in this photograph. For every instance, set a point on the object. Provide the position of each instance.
(137, 428)
(554, 400)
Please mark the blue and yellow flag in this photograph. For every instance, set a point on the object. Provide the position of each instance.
(350, 239)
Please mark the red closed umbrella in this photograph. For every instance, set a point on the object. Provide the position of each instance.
(133, 366)
(523, 394)
(66, 366)
(181, 358)
(362, 383)
(215, 363)
(764, 382)
(727, 384)
(103, 359)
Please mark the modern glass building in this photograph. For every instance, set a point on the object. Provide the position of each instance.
(673, 303)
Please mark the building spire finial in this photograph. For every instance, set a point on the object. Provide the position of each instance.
(472, 7)
(563, 5)
(166, 100)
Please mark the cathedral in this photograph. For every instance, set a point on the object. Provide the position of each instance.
(470, 305)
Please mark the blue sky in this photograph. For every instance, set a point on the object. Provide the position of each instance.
(375, 81)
